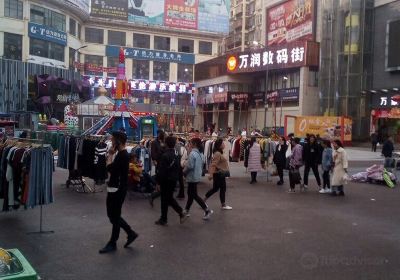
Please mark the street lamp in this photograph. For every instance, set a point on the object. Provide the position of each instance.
(76, 52)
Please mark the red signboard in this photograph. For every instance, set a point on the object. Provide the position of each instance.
(289, 22)
(291, 55)
(181, 13)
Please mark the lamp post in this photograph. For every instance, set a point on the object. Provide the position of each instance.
(76, 54)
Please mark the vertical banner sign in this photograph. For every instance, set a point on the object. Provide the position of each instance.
(290, 21)
(110, 9)
(150, 12)
(181, 13)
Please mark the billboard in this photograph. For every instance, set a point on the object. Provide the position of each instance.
(46, 33)
(149, 12)
(214, 15)
(110, 9)
(81, 4)
(181, 13)
(290, 21)
(325, 127)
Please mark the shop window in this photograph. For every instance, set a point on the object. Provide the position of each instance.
(205, 47)
(96, 60)
(13, 9)
(141, 41)
(46, 49)
(79, 31)
(47, 17)
(12, 46)
(140, 69)
(161, 71)
(72, 27)
(162, 43)
(186, 46)
(297, 79)
(112, 62)
(185, 73)
(94, 35)
(116, 38)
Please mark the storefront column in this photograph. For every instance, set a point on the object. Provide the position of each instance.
(231, 115)
(215, 114)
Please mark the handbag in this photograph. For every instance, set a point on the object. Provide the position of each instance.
(294, 176)
(223, 173)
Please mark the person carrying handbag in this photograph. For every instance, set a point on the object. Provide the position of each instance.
(296, 161)
(219, 170)
(193, 170)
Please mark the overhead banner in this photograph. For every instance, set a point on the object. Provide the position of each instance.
(160, 86)
(214, 15)
(385, 100)
(292, 55)
(181, 13)
(149, 12)
(46, 33)
(110, 9)
(290, 21)
(145, 54)
(284, 95)
(325, 127)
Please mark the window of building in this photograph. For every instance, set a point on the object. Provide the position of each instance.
(116, 38)
(12, 46)
(13, 9)
(46, 49)
(141, 41)
(96, 60)
(112, 62)
(72, 27)
(140, 69)
(79, 31)
(185, 73)
(162, 43)
(161, 71)
(205, 47)
(71, 57)
(47, 17)
(186, 46)
(94, 35)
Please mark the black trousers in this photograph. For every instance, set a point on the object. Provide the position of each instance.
(253, 176)
(279, 168)
(114, 209)
(374, 144)
(193, 196)
(181, 193)
(167, 199)
(314, 168)
(326, 180)
(219, 184)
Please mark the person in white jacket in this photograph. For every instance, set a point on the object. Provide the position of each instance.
(340, 168)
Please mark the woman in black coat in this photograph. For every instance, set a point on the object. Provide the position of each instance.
(280, 158)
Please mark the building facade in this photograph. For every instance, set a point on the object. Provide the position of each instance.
(82, 37)
(270, 79)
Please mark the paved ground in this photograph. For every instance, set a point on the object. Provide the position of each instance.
(268, 235)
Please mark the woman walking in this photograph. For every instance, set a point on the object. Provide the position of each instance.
(340, 169)
(253, 160)
(218, 172)
(280, 158)
(193, 170)
(327, 161)
(296, 161)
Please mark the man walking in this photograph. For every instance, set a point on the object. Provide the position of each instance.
(387, 152)
(116, 191)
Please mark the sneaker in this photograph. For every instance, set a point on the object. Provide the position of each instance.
(131, 237)
(328, 190)
(305, 187)
(226, 207)
(279, 183)
(108, 248)
(182, 218)
(341, 193)
(161, 222)
(208, 214)
(186, 212)
(322, 191)
(291, 191)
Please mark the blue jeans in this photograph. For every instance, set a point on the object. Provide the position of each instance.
(388, 163)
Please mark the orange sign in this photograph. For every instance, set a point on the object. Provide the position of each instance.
(326, 127)
(231, 63)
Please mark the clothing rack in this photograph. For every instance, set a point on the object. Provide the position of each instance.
(41, 231)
